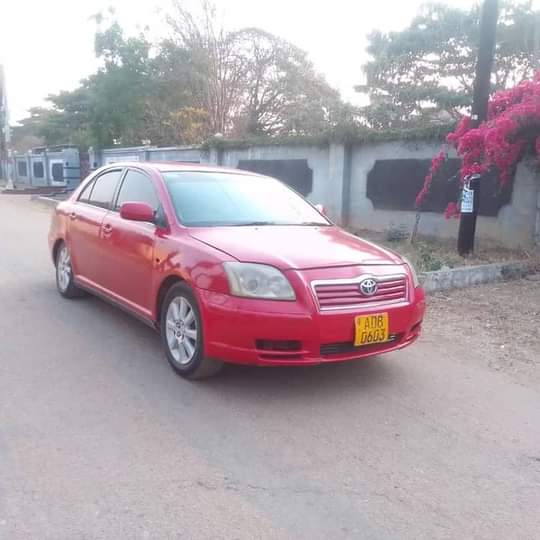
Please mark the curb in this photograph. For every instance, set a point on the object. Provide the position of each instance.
(467, 276)
(47, 201)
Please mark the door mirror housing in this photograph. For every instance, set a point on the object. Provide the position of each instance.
(137, 211)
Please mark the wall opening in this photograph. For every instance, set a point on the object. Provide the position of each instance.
(22, 169)
(294, 172)
(38, 170)
(392, 184)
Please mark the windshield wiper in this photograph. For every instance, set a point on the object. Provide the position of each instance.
(262, 223)
(253, 223)
(314, 223)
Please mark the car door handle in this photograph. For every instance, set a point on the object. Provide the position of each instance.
(107, 229)
(72, 215)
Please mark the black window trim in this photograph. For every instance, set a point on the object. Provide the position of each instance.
(93, 183)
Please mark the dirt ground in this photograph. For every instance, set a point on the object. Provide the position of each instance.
(429, 254)
(499, 322)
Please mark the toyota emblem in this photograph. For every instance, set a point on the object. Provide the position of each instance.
(368, 287)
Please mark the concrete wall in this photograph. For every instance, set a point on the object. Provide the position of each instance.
(106, 156)
(517, 221)
(340, 179)
(326, 186)
(190, 154)
(363, 215)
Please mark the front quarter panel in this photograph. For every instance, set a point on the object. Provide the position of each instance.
(58, 226)
(201, 266)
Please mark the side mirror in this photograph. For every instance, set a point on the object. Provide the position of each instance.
(321, 209)
(137, 211)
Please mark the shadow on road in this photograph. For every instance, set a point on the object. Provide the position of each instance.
(328, 381)
(283, 382)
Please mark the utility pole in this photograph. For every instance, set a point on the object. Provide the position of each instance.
(482, 84)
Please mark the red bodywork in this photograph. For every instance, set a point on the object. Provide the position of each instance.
(133, 263)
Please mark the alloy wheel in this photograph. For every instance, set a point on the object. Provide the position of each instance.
(63, 269)
(181, 330)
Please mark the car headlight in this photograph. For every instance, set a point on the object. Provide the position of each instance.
(258, 281)
(416, 281)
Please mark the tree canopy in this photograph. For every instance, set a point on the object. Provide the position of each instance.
(424, 74)
(198, 81)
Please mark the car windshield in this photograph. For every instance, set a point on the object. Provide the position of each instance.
(212, 199)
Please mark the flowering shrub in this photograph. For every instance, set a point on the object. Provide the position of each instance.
(512, 127)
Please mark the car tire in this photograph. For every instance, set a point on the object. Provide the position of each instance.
(182, 335)
(64, 274)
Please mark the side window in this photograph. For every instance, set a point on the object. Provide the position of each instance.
(104, 188)
(85, 193)
(137, 187)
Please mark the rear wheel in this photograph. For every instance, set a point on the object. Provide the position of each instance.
(64, 274)
(182, 335)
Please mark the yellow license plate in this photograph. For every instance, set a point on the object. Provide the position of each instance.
(370, 329)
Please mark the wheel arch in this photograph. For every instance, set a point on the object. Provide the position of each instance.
(56, 246)
(165, 285)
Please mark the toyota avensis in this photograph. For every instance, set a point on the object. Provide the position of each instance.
(230, 266)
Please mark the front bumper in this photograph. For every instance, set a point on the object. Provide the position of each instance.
(239, 330)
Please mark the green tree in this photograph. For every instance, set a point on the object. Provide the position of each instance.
(108, 106)
(199, 81)
(425, 73)
(54, 126)
(281, 93)
(118, 91)
(249, 81)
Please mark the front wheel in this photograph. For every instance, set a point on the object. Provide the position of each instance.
(182, 335)
(64, 274)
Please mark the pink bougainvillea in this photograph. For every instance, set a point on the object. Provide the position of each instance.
(452, 210)
(436, 164)
(512, 127)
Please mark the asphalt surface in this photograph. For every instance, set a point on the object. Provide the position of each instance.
(99, 439)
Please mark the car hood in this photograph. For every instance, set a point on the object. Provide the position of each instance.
(295, 247)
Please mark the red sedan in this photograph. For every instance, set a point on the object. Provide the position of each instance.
(230, 266)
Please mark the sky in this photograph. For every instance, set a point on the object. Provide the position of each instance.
(47, 46)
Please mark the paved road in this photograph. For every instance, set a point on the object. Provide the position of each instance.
(98, 438)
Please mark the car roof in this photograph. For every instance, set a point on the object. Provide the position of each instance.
(176, 166)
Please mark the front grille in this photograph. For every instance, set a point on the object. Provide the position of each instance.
(343, 294)
(329, 349)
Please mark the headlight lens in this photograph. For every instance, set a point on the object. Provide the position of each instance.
(258, 281)
(416, 281)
